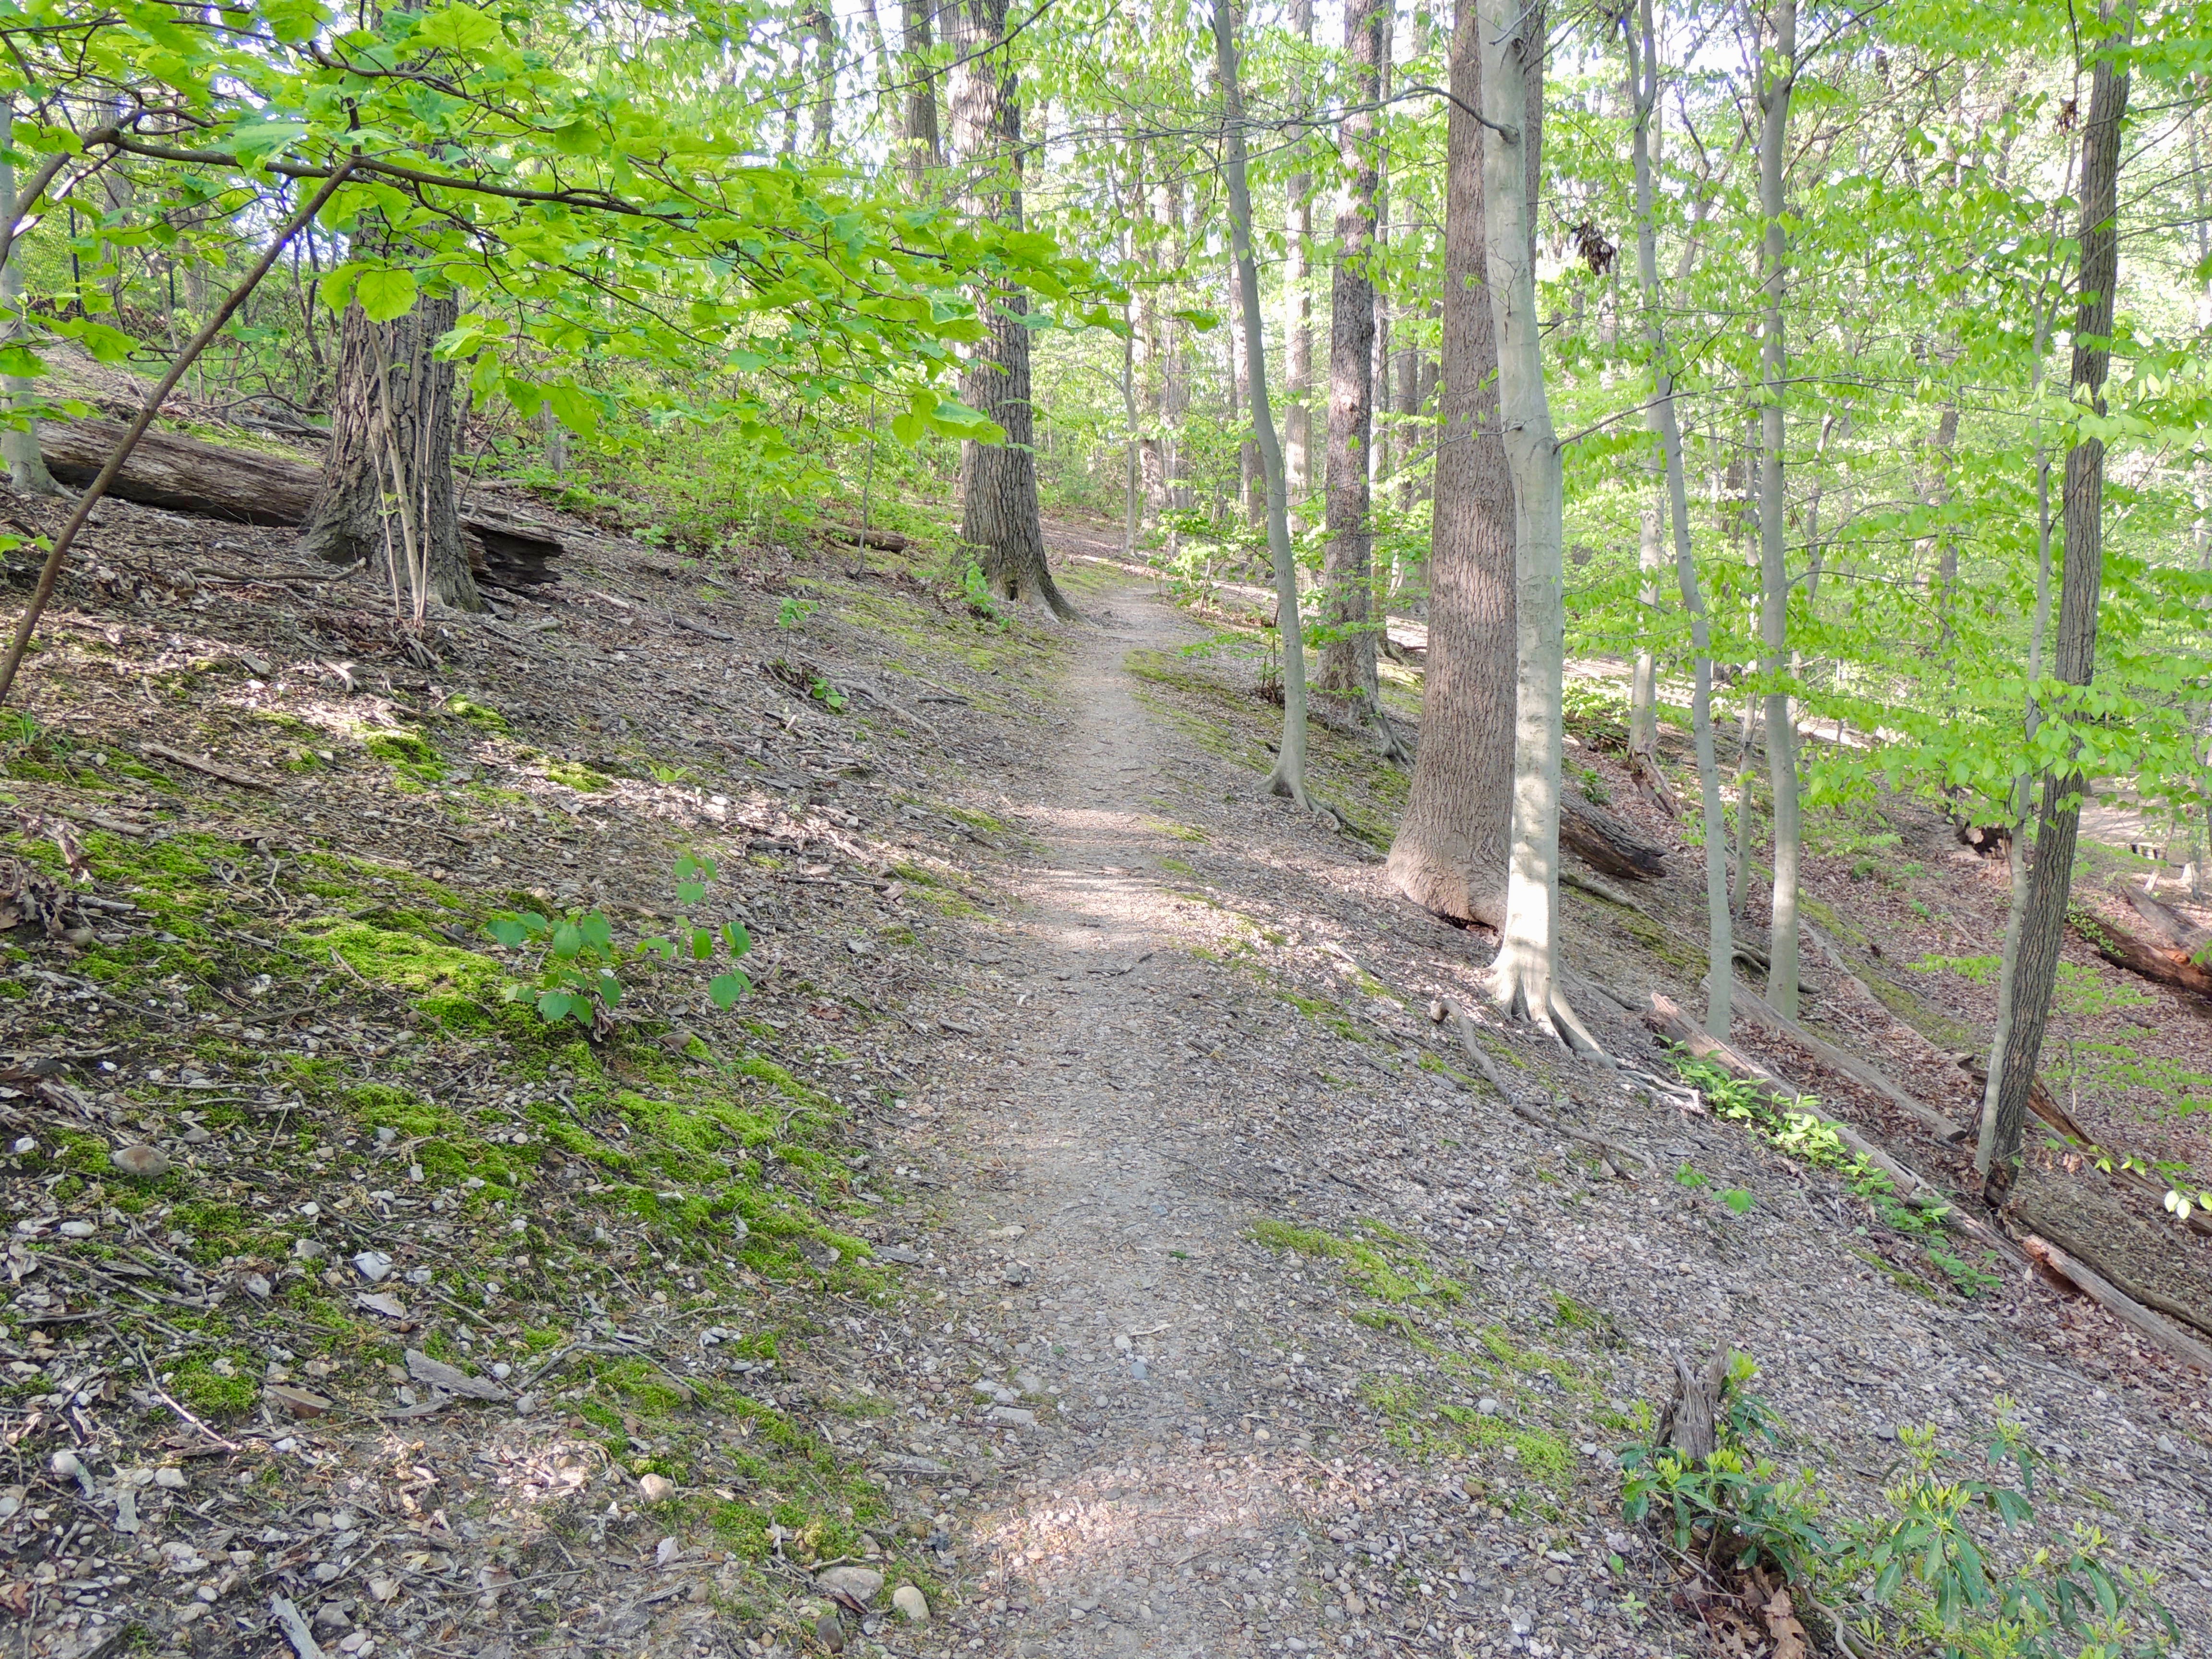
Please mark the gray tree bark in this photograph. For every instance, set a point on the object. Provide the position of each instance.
(1449, 856)
(1297, 303)
(1524, 976)
(19, 446)
(918, 135)
(1777, 80)
(2074, 644)
(1348, 657)
(1720, 942)
(999, 514)
(1289, 777)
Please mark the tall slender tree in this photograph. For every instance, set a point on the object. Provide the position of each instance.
(1347, 656)
(1777, 78)
(1289, 777)
(2074, 644)
(1298, 292)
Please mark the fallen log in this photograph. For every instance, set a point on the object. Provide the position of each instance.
(1849, 1064)
(2119, 1303)
(1606, 843)
(1663, 1017)
(887, 541)
(2146, 937)
(506, 548)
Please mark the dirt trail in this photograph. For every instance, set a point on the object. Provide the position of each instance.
(1177, 1496)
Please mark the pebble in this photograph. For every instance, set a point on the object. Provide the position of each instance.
(666, 1553)
(1021, 1417)
(195, 1136)
(145, 1162)
(372, 1265)
(655, 1488)
(297, 1402)
(1487, 1405)
(911, 1604)
(898, 1253)
(309, 1250)
(863, 1584)
(170, 1477)
(77, 1228)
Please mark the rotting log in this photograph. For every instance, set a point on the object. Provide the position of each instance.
(2150, 939)
(2118, 1303)
(1607, 842)
(506, 547)
(884, 541)
(1849, 1064)
(1664, 1017)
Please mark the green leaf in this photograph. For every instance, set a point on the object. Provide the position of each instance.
(908, 429)
(690, 892)
(458, 28)
(726, 988)
(703, 945)
(385, 293)
(567, 940)
(554, 1007)
(508, 931)
(581, 136)
(735, 936)
(19, 359)
(573, 409)
(295, 22)
(597, 930)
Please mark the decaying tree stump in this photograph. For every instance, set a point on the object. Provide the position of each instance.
(1690, 1424)
(1606, 843)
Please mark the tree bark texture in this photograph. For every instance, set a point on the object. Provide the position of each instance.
(1298, 303)
(1778, 78)
(388, 474)
(2074, 644)
(1524, 977)
(19, 446)
(1720, 928)
(1449, 856)
(998, 508)
(918, 127)
(1348, 657)
(1289, 777)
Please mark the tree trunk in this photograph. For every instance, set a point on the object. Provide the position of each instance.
(1251, 487)
(1644, 678)
(1289, 777)
(2043, 922)
(1777, 78)
(999, 510)
(1449, 856)
(918, 133)
(1720, 929)
(387, 492)
(825, 78)
(1348, 657)
(1524, 975)
(1298, 303)
(19, 446)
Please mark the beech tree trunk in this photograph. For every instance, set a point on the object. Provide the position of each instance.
(1524, 975)
(1778, 78)
(999, 509)
(1449, 856)
(2074, 654)
(1289, 777)
(19, 446)
(1298, 304)
(1644, 678)
(1348, 657)
(1720, 928)
(387, 489)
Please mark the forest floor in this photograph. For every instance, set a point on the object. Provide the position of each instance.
(1081, 1222)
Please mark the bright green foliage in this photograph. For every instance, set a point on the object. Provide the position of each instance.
(1916, 1576)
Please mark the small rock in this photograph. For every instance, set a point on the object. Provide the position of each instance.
(1020, 1417)
(23, 1147)
(383, 1589)
(297, 1402)
(1487, 1405)
(863, 1584)
(381, 1301)
(1885, 1431)
(1137, 1372)
(144, 1163)
(451, 1378)
(1028, 1383)
(171, 1478)
(666, 1553)
(1016, 1274)
(258, 1287)
(63, 1464)
(195, 1136)
(332, 1615)
(372, 1265)
(309, 1250)
(911, 1604)
(1555, 1577)
(77, 1228)
(387, 1135)
(899, 1252)
(655, 1488)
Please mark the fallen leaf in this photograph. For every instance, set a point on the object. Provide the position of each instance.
(1782, 1624)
